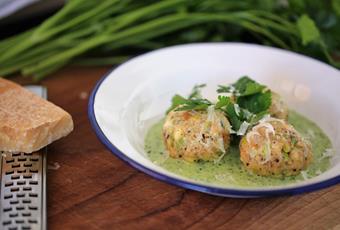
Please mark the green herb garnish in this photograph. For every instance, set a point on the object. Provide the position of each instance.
(196, 91)
(227, 106)
(249, 95)
(193, 102)
(252, 102)
(105, 32)
(246, 86)
(308, 30)
(256, 103)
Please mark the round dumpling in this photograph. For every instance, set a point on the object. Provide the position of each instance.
(274, 147)
(196, 135)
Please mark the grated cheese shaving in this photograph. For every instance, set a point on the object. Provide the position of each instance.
(255, 131)
(267, 118)
(211, 113)
(237, 109)
(243, 128)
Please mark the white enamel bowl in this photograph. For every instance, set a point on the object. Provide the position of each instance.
(129, 99)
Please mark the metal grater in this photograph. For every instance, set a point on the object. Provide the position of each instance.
(23, 187)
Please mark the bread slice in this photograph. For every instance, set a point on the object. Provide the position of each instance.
(28, 122)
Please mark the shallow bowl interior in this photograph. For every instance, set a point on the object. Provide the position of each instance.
(136, 95)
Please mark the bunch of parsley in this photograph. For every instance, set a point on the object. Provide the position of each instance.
(106, 32)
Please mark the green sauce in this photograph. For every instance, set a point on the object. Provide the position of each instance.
(230, 170)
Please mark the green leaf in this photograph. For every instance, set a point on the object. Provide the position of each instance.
(253, 101)
(224, 89)
(194, 104)
(256, 103)
(246, 86)
(255, 118)
(336, 6)
(308, 31)
(232, 115)
(243, 87)
(225, 104)
(222, 101)
(297, 5)
(196, 91)
(176, 101)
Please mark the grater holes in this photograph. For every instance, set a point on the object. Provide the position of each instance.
(31, 221)
(8, 184)
(33, 170)
(26, 201)
(34, 159)
(27, 176)
(15, 189)
(33, 182)
(28, 154)
(7, 222)
(26, 227)
(19, 221)
(20, 195)
(9, 172)
(22, 159)
(19, 208)
(9, 160)
(21, 190)
(14, 202)
(15, 165)
(12, 215)
(12, 228)
(33, 195)
(15, 177)
(27, 188)
(21, 170)
(7, 209)
(21, 182)
(9, 196)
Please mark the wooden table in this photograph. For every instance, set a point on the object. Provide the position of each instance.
(93, 189)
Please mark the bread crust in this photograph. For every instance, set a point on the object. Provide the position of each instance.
(28, 122)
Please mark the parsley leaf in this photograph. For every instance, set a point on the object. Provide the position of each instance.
(256, 103)
(193, 102)
(250, 95)
(246, 86)
(308, 30)
(243, 87)
(196, 91)
(253, 101)
(222, 101)
(257, 117)
(225, 89)
(227, 106)
(176, 101)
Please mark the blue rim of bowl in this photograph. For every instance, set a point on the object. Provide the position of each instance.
(189, 185)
